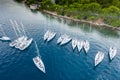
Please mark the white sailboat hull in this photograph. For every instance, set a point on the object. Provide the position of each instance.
(79, 45)
(20, 41)
(59, 40)
(86, 46)
(65, 41)
(39, 63)
(12, 44)
(98, 58)
(112, 52)
(51, 36)
(74, 43)
(46, 35)
(25, 44)
(5, 38)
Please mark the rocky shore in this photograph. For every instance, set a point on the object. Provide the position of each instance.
(95, 23)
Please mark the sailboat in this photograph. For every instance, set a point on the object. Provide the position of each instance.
(74, 43)
(22, 38)
(79, 45)
(112, 52)
(65, 39)
(16, 42)
(99, 57)
(86, 45)
(13, 43)
(46, 35)
(4, 37)
(25, 44)
(38, 61)
(22, 42)
(51, 36)
(60, 39)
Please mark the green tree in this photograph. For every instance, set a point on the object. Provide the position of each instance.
(112, 10)
(46, 4)
(94, 7)
(116, 3)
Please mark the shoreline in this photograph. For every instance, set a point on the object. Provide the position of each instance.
(76, 20)
(82, 21)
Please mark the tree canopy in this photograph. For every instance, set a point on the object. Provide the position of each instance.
(109, 10)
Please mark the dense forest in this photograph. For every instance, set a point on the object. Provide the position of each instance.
(108, 10)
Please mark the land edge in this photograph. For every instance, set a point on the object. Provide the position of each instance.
(81, 20)
(101, 24)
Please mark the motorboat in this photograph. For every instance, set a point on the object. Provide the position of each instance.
(112, 52)
(86, 45)
(99, 57)
(79, 45)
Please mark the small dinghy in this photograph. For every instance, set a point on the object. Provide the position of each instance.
(86, 45)
(112, 52)
(98, 58)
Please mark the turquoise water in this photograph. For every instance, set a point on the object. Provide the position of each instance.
(62, 63)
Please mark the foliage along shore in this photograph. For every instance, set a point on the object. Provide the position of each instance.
(96, 12)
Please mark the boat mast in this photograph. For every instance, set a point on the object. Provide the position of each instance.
(13, 27)
(17, 27)
(22, 26)
(2, 30)
(37, 49)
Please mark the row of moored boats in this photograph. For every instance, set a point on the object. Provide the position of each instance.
(64, 39)
(22, 42)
